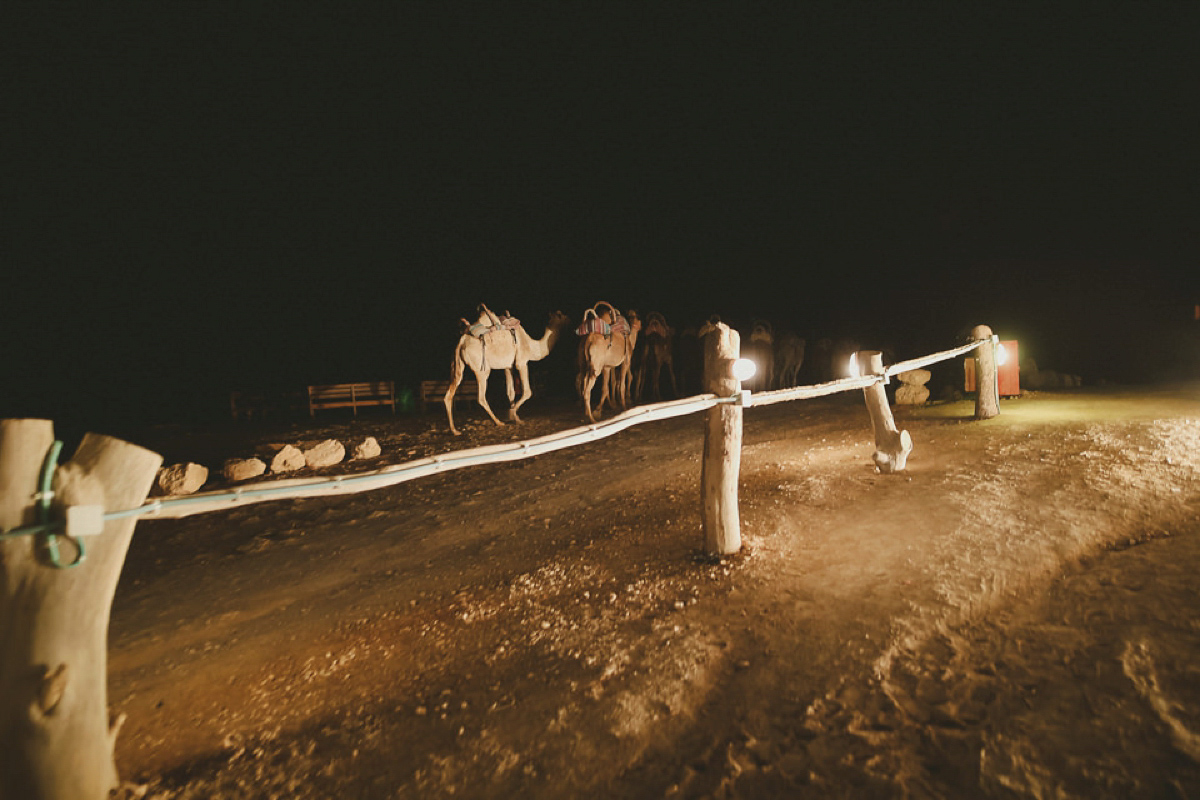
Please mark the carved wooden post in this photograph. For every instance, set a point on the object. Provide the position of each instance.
(892, 445)
(722, 444)
(987, 377)
(56, 741)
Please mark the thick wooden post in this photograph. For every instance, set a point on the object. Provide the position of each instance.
(56, 740)
(987, 377)
(892, 445)
(722, 444)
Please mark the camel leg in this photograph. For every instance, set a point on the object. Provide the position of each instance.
(481, 378)
(606, 379)
(508, 387)
(526, 392)
(671, 375)
(589, 381)
(625, 378)
(448, 398)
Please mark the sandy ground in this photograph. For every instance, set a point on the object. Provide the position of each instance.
(1013, 616)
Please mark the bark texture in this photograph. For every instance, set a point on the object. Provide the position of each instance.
(987, 379)
(54, 725)
(722, 445)
(892, 445)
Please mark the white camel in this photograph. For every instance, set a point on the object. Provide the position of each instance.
(602, 353)
(491, 344)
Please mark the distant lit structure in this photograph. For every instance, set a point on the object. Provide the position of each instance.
(1008, 370)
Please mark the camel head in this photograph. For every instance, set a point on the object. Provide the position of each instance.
(656, 323)
(762, 331)
(558, 320)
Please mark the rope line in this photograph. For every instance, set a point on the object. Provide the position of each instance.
(297, 488)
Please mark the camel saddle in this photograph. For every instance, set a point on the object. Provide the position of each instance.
(597, 325)
(505, 323)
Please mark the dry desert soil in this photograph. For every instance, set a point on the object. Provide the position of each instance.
(1012, 616)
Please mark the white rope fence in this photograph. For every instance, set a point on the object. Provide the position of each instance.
(862, 382)
(298, 488)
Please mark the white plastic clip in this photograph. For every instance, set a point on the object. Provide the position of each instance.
(85, 520)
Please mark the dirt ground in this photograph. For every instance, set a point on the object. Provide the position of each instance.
(1012, 616)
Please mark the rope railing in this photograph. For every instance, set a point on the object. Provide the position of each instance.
(298, 488)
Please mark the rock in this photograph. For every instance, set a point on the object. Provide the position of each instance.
(325, 454)
(915, 377)
(240, 469)
(366, 448)
(180, 479)
(910, 394)
(288, 459)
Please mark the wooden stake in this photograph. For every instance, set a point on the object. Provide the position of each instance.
(54, 724)
(892, 445)
(722, 445)
(987, 377)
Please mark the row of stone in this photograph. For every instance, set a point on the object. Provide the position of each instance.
(188, 478)
(912, 390)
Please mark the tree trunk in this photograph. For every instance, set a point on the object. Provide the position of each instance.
(57, 741)
(892, 445)
(722, 445)
(987, 378)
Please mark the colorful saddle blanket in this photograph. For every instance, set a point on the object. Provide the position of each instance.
(597, 325)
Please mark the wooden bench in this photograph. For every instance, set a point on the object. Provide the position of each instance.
(351, 395)
(434, 391)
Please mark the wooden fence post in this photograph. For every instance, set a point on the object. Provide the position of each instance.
(892, 445)
(722, 444)
(54, 725)
(987, 377)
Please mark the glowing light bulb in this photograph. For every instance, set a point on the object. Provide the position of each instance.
(854, 373)
(744, 369)
(1001, 355)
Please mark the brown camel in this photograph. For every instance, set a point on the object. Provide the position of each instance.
(658, 340)
(494, 344)
(603, 355)
(789, 357)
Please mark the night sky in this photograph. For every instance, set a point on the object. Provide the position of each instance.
(205, 197)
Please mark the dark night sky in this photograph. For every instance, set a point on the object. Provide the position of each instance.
(199, 197)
